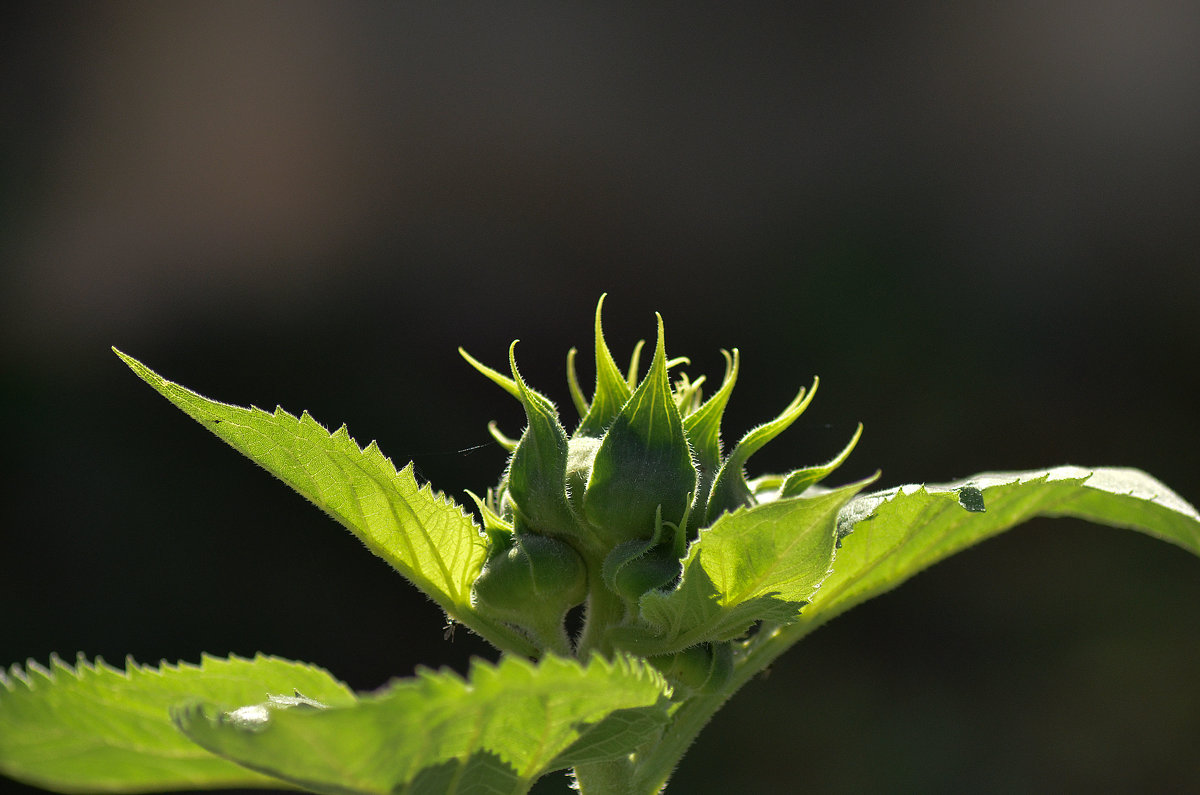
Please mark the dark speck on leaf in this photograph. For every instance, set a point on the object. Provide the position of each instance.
(971, 499)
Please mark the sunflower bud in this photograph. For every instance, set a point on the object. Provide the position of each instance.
(704, 668)
(607, 513)
(643, 464)
(532, 584)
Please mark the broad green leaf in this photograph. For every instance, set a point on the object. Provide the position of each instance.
(93, 728)
(495, 732)
(896, 533)
(614, 736)
(423, 534)
(760, 563)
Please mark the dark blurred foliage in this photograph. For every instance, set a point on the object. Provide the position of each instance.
(978, 223)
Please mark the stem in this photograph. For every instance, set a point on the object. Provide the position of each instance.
(604, 610)
(656, 766)
(693, 715)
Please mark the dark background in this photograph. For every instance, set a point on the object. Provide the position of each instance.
(980, 225)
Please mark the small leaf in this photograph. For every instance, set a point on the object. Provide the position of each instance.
(93, 728)
(421, 533)
(760, 563)
(896, 533)
(644, 463)
(496, 732)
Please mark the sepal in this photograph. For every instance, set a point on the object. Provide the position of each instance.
(531, 585)
(798, 481)
(703, 429)
(644, 463)
(612, 390)
(704, 668)
(730, 489)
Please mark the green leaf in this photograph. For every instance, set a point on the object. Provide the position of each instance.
(93, 728)
(495, 732)
(896, 533)
(760, 563)
(421, 533)
(614, 736)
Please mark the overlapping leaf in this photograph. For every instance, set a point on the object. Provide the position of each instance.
(495, 732)
(760, 563)
(93, 728)
(896, 533)
(421, 533)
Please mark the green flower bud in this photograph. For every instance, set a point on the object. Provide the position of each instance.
(705, 668)
(644, 463)
(635, 567)
(535, 484)
(646, 455)
(532, 584)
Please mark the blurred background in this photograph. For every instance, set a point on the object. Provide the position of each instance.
(978, 224)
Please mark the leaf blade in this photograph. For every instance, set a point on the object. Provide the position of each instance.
(422, 534)
(496, 731)
(94, 728)
(892, 535)
(760, 563)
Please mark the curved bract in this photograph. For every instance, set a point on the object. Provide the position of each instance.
(631, 572)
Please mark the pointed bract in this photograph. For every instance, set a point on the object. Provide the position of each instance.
(612, 391)
(644, 462)
(730, 490)
(537, 473)
(800, 480)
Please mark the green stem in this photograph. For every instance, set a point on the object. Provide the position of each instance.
(655, 767)
(604, 610)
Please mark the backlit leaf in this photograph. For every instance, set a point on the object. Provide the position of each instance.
(896, 533)
(495, 732)
(423, 534)
(93, 728)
